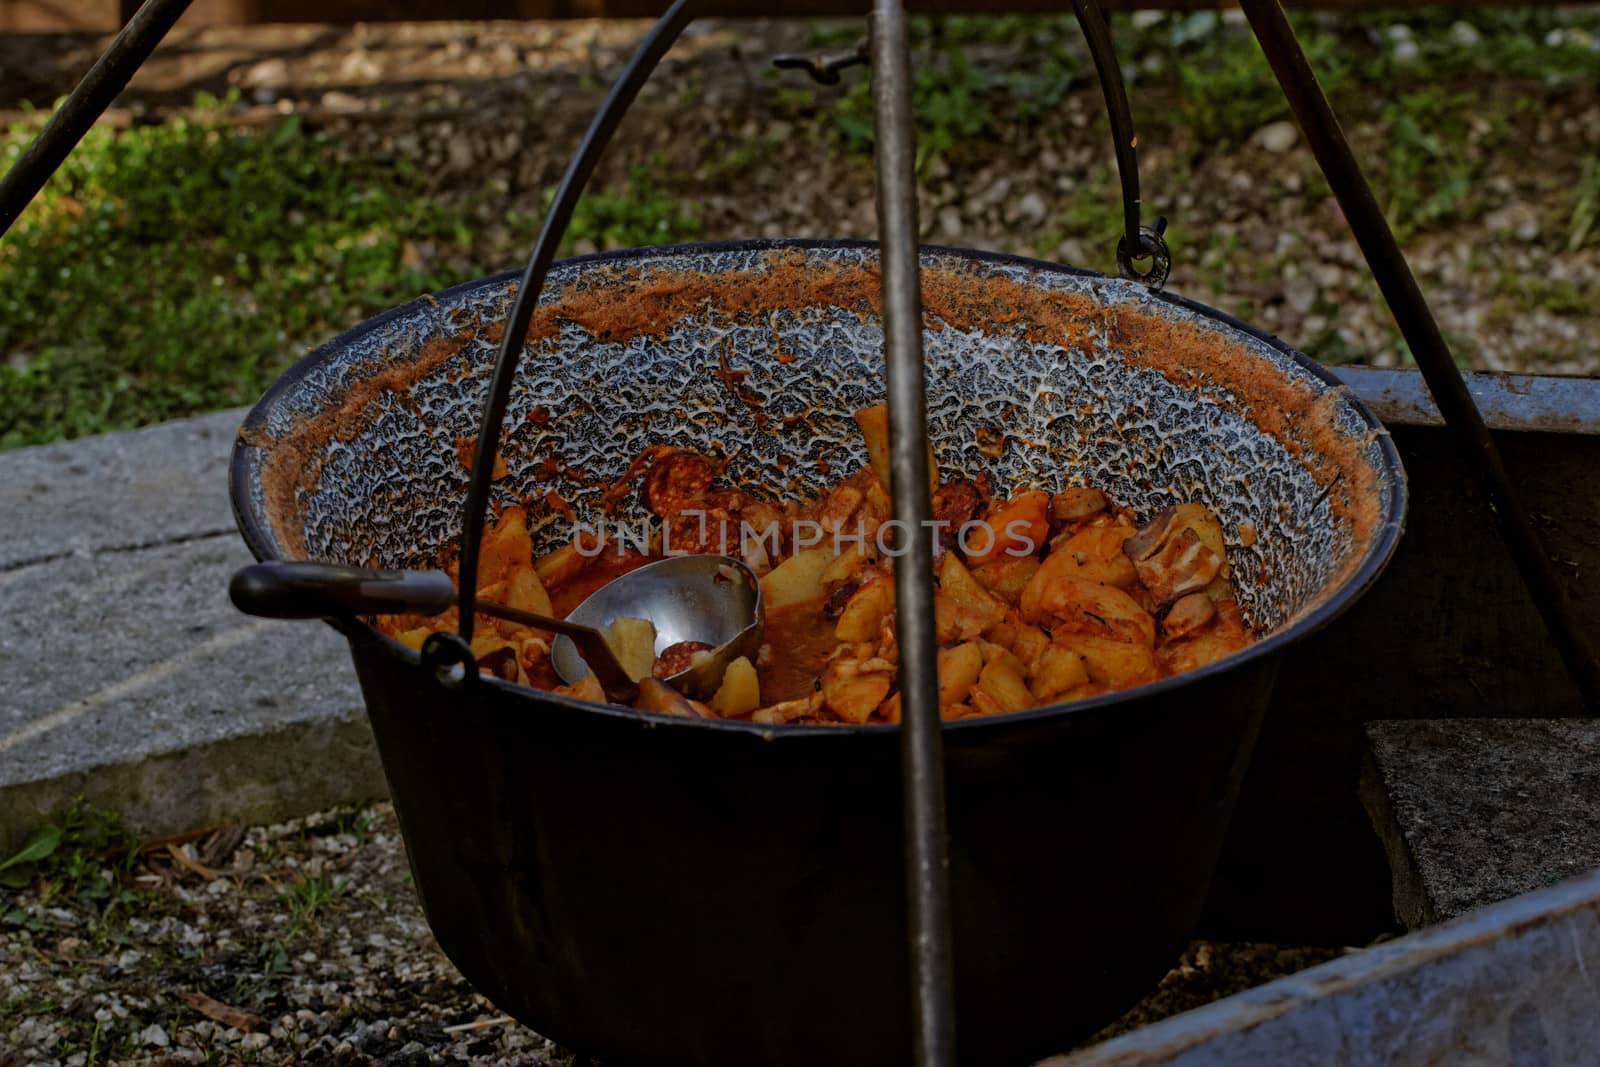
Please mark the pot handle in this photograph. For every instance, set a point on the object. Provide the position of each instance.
(284, 589)
(1137, 242)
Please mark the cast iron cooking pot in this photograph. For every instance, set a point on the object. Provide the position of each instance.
(666, 890)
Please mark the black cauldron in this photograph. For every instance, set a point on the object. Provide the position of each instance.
(660, 890)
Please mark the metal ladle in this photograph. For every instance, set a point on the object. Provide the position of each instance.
(715, 600)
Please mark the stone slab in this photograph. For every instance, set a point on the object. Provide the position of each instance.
(1514, 983)
(128, 677)
(1301, 864)
(1473, 811)
(160, 484)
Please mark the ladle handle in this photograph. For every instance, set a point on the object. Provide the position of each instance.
(281, 589)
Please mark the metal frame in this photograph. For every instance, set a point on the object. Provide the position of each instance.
(921, 740)
(922, 752)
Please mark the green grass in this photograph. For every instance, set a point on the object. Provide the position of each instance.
(1582, 228)
(1203, 80)
(958, 102)
(175, 268)
(1429, 173)
(1090, 214)
(640, 212)
(311, 895)
(82, 857)
(172, 269)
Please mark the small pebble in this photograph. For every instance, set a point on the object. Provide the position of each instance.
(1276, 136)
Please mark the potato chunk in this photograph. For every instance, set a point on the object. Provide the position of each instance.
(1058, 670)
(874, 423)
(1073, 605)
(633, 642)
(957, 583)
(864, 612)
(505, 547)
(414, 638)
(796, 580)
(959, 668)
(852, 694)
(1001, 688)
(1093, 553)
(740, 692)
(1117, 664)
(1027, 642)
(525, 592)
(1007, 576)
(952, 622)
(565, 563)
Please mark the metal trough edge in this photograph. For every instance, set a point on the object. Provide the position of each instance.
(1513, 983)
(1508, 401)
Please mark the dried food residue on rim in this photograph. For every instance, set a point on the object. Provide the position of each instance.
(1288, 409)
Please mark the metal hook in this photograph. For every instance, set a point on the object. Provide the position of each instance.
(449, 658)
(824, 67)
(1147, 239)
(1152, 245)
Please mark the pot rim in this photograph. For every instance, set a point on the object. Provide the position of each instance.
(1329, 606)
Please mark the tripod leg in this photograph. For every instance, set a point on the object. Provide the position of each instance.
(88, 101)
(1393, 275)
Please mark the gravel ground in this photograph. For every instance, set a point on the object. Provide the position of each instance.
(493, 110)
(304, 943)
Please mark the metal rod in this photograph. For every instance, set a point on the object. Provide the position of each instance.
(87, 102)
(1411, 313)
(606, 120)
(921, 736)
(1097, 34)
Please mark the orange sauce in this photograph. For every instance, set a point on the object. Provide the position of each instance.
(602, 569)
(801, 639)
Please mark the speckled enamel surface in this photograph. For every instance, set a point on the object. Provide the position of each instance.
(390, 486)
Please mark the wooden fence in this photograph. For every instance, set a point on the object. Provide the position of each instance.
(101, 15)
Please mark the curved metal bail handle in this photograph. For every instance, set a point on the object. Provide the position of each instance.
(1137, 242)
(605, 122)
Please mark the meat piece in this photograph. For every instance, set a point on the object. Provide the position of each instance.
(1180, 551)
(852, 689)
(836, 601)
(1076, 504)
(676, 481)
(1189, 613)
(1014, 528)
(1181, 565)
(674, 659)
(957, 503)
(658, 696)
(1142, 545)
